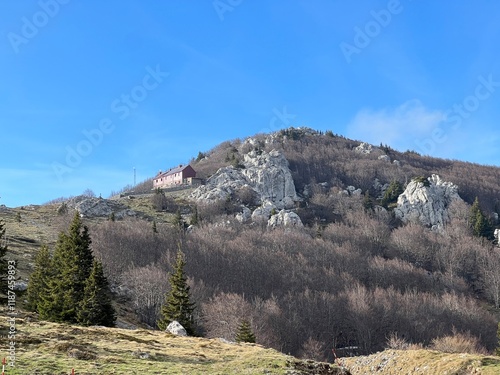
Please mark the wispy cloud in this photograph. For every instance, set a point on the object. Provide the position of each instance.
(398, 127)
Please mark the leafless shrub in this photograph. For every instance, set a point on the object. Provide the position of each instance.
(458, 343)
(147, 289)
(313, 349)
(394, 341)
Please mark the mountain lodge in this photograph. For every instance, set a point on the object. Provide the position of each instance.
(181, 175)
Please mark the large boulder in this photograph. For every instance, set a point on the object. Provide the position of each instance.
(99, 207)
(427, 203)
(285, 219)
(176, 328)
(265, 173)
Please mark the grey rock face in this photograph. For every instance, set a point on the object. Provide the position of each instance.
(98, 207)
(364, 148)
(266, 173)
(285, 219)
(427, 204)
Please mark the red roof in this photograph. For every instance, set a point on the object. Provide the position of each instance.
(178, 169)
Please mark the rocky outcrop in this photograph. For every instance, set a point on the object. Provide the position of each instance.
(244, 216)
(364, 148)
(427, 203)
(265, 173)
(99, 207)
(176, 328)
(285, 219)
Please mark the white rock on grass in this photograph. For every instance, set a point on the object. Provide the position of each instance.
(176, 328)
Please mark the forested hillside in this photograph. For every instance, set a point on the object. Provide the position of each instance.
(351, 277)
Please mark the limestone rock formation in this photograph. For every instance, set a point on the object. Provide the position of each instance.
(176, 328)
(285, 218)
(427, 204)
(99, 207)
(266, 173)
(244, 216)
(364, 148)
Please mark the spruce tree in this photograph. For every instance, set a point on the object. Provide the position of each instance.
(367, 201)
(38, 281)
(244, 333)
(481, 226)
(71, 265)
(3, 264)
(392, 193)
(95, 307)
(177, 304)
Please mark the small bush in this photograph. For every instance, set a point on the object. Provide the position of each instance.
(394, 341)
(458, 343)
(423, 180)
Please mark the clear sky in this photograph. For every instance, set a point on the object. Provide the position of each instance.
(90, 90)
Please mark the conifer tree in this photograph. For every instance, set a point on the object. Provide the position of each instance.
(71, 265)
(177, 304)
(392, 193)
(179, 221)
(194, 216)
(244, 333)
(3, 264)
(38, 282)
(367, 201)
(95, 307)
(481, 226)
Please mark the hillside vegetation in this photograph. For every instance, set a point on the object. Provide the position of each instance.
(350, 278)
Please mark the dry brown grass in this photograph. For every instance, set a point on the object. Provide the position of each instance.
(49, 348)
(422, 362)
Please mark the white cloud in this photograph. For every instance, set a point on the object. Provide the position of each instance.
(398, 127)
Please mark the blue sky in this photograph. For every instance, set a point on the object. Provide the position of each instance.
(90, 90)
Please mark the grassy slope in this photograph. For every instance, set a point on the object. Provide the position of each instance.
(49, 348)
(425, 362)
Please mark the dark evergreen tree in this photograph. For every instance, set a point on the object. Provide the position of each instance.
(178, 220)
(95, 307)
(155, 229)
(480, 224)
(392, 193)
(194, 216)
(3, 264)
(39, 279)
(367, 201)
(71, 265)
(177, 304)
(244, 333)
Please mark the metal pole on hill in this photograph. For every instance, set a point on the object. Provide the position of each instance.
(4, 362)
